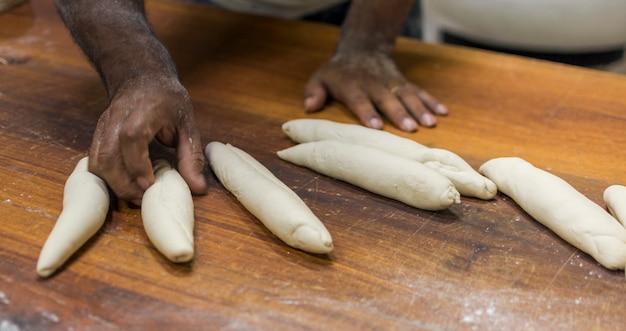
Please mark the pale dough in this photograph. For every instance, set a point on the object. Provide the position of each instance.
(561, 208)
(615, 199)
(466, 180)
(377, 171)
(278, 207)
(85, 207)
(167, 212)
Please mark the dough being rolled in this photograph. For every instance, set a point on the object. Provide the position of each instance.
(85, 207)
(167, 213)
(615, 198)
(561, 208)
(377, 171)
(278, 207)
(466, 180)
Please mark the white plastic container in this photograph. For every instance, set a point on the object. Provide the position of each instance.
(530, 25)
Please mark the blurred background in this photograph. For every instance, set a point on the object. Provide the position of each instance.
(578, 32)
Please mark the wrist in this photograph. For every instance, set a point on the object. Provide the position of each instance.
(148, 63)
(151, 82)
(372, 26)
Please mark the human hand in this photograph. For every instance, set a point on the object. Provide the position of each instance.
(139, 112)
(367, 82)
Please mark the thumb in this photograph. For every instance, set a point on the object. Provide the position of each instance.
(314, 95)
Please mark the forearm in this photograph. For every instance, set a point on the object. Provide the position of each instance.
(372, 25)
(118, 40)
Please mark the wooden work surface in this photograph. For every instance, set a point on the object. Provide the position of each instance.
(483, 265)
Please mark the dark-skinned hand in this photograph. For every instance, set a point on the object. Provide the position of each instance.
(369, 84)
(140, 112)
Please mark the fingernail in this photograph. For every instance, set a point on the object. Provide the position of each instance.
(308, 104)
(441, 109)
(408, 124)
(428, 120)
(376, 123)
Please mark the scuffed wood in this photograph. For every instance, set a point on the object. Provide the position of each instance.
(482, 264)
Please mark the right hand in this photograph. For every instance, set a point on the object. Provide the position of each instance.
(140, 111)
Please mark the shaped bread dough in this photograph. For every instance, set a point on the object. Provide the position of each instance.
(557, 205)
(167, 213)
(615, 198)
(377, 171)
(85, 207)
(278, 207)
(466, 180)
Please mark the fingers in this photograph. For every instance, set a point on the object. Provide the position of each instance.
(120, 155)
(430, 102)
(394, 109)
(406, 106)
(181, 133)
(134, 140)
(362, 107)
(314, 95)
(191, 162)
(118, 181)
(371, 85)
(106, 162)
(415, 105)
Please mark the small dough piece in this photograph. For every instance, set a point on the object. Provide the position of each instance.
(85, 207)
(278, 207)
(377, 171)
(466, 180)
(167, 213)
(615, 198)
(561, 208)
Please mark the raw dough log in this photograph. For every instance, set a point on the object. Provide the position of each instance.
(85, 207)
(561, 208)
(466, 180)
(377, 171)
(278, 207)
(615, 198)
(167, 213)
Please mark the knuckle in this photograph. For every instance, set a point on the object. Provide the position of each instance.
(134, 131)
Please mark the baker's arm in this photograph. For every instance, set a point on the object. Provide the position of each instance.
(363, 76)
(147, 100)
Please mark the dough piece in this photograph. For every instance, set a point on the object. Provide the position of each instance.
(167, 213)
(377, 171)
(278, 207)
(615, 198)
(561, 208)
(85, 207)
(466, 180)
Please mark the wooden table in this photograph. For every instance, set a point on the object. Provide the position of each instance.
(483, 265)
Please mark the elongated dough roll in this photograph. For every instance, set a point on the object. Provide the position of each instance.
(167, 213)
(561, 208)
(615, 198)
(278, 207)
(85, 207)
(466, 180)
(377, 171)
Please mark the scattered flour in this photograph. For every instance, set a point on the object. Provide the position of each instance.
(6, 325)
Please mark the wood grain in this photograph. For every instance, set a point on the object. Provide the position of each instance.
(483, 265)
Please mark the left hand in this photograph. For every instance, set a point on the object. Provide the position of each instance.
(369, 81)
